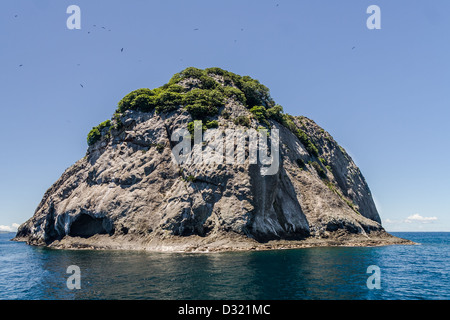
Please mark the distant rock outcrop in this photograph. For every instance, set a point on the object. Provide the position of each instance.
(129, 193)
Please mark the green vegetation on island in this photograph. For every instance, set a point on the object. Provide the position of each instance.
(203, 93)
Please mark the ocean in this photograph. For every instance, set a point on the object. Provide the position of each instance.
(350, 273)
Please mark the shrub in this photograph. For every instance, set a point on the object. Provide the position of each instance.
(125, 103)
(212, 124)
(259, 112)
(288, 122)
(205, 126)
(176, 78)
(232, 92)
(119, 123)
(190, 178)
(217, 71)
(93, 136)
(276, 113)
(319, 169)
(168, 101)
(252, 90)
(200, 111)
(242, 121)
(304, 139)
(205, 101)
(104, 124)
(164, 99)
(206, 81)
(191, 127)
(201, 103)
(143, 102)
(192, 72)
(255, 92)
(230, 78)
(96, 133)
(173, 88)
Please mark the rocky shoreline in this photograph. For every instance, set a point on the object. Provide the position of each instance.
(225, 242)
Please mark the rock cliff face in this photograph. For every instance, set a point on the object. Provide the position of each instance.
(128, 192)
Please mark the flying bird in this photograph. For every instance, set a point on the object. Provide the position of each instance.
(20, 65)
(353, 48)
(121, 50)
(195, 29)
(81, 85)
(15, 16)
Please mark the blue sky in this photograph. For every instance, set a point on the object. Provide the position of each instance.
(382, 94)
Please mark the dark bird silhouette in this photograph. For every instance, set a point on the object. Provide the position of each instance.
(89, 32)
(121, 50)
(103, 28)
(20, 65)
(353, 48)
(242, 29)
(195, 29)
(15, 16)
(81, 85)
(94, 25)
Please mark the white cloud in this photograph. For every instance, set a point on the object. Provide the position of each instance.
(11, 228)
(5, 228)
(415, 218)
(390, 221)
(414, 222)
(418, 218)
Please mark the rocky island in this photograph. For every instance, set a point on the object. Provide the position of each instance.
(130, 193)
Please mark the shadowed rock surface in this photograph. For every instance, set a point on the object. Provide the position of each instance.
(129, 193)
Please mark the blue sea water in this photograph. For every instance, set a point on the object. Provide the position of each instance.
(406, 272)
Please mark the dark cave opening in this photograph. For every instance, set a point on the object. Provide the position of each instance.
(86, 226)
